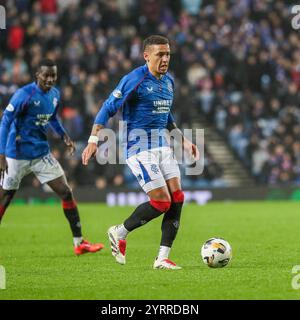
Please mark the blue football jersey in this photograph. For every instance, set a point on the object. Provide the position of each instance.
(146, 103)
(25, 121)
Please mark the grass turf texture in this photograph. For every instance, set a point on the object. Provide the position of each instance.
(36, 250)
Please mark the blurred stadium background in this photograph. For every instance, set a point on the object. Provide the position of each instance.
(237, 72)
(236, 65)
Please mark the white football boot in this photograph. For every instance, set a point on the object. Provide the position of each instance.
(118, 246)
(165, 264)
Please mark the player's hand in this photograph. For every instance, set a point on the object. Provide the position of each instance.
(70, 144)
(191, 149)
(89, 152)
(3, 166)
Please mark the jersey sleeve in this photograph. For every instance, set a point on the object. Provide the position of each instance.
(15, 106)
(57, 126)
(55, 122)
(117, 98)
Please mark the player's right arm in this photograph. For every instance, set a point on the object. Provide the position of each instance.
(109, 108)
(190, 147)
(16, 103)
(91, 148)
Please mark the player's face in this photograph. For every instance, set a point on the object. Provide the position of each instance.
(46, 77)
(157, 57)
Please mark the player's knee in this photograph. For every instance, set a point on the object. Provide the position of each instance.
(178, 196)
(161, 201)
(161, 206)
(160, 195)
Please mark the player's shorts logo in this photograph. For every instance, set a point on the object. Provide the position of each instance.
(10, 183)
(154, 168)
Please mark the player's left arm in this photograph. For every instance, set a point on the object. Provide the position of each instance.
(16, 105)
(188, 146)
(60, 130)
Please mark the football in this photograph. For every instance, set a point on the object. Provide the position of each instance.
(216, 253)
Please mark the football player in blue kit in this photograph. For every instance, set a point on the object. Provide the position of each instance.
(145, 96)
(24, 147)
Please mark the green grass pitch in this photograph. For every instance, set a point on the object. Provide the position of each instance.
(36, 251)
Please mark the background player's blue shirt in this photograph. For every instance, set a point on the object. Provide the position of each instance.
(25, 121)
(146, 103)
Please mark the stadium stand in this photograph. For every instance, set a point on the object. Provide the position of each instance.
(235, 63)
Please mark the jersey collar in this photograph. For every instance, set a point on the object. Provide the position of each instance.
(151, 75)
(38, 89)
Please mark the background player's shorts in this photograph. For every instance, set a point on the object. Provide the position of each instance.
(153, 167)
(45, 169)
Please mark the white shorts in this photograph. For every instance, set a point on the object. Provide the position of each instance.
(45, 169)
(153, 167)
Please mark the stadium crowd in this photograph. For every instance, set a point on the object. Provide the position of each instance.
(236, 62)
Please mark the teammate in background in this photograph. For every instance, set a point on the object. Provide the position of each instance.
(24, 147)
(146, 97)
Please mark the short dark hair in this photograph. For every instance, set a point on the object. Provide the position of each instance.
(46, 63)
(154, 39)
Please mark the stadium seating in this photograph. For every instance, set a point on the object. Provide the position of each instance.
(238, 65)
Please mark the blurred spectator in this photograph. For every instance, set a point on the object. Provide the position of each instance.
(15, 36)
(73, 123)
